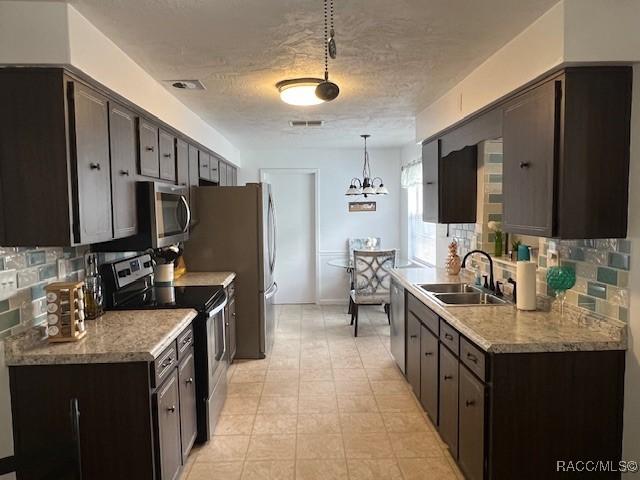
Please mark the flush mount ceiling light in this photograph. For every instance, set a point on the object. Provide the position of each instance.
(310, 90)
(299, 91)
(366, 186)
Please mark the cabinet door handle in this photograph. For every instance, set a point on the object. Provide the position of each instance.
(166, 155)
(94, 166)
(124, 173)
(226, 324)
(429, 183)
(233, 314)
(448, 377)
(149, 148)
(428, 354)
(186, 341)
(205, 166)
(414, 336)
(525, 164)
(171, 409)
(189, 381)
(448, 336)
(470, 403)
(472, 357)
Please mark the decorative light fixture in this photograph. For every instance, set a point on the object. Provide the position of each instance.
(366, 186)
(299, 91)
(310, 90)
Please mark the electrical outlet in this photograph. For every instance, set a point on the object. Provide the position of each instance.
(8, 283)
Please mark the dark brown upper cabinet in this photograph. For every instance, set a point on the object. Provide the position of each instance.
(122, 139)
(223, 181)
(205, 165)
(54, 159)
(148, 149)
(214, 171)
(182, 163)
(167, 156)
(449, 184)
(566, 155)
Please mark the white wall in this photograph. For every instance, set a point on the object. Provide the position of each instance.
(336, 168)
(55, 33)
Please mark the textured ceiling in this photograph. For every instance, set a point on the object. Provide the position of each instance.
(394, 58)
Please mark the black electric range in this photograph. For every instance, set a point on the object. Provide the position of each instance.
(129, 286)
(200, 298)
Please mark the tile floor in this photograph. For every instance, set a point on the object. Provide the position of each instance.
(323, 406)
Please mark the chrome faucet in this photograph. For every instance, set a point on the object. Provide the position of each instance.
(492, 286)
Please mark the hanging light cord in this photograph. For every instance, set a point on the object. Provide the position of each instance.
(326, 41)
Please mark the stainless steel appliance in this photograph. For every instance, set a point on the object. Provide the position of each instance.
(397, 320)
(169, 216)
(129, 286)
(236, 231)
(164, 217)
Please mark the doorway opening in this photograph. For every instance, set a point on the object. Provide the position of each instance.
(295, 196)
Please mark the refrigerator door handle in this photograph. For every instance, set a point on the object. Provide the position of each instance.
(272, 291)
(273, 234)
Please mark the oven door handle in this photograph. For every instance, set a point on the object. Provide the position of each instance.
(183, 199)
(218, 309)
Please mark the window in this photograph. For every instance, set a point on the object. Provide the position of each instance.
(421, 235)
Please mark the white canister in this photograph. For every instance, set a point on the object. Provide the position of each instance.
(163, 274)
(526, 285)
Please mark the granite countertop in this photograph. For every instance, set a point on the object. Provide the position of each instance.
(116, 337)
(505, 329)
(205, 278)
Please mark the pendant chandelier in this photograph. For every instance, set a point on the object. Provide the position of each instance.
(366, 186)
(311, 90)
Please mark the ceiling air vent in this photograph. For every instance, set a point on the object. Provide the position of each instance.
(306, 123)
(186, 84)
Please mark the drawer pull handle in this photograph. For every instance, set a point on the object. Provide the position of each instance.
(205, 166)
(186, 341)
(472, 357)
(226, 324)
(524, 164)
(166, 155)
(149, 149)
(448, 336)
(124, 173)
(189, 381)
(470, 403)
(429, 183)
(94, 166)
(448, 377)
(171, 409)
(414, 336)
(428, 354)
(167, 362)
(233, 314)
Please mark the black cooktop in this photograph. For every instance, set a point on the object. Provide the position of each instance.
(200, 298)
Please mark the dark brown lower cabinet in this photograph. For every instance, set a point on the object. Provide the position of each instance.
(471, 426)
(429, 373)
(448, 425)
(167, 405)
(413, 352)
(128, 429)
(509, 416)
(188, 417)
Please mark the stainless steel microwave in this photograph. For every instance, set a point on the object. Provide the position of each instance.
(168, 215)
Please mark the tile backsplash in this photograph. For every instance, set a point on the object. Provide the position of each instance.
(601, 266)
(35, 269)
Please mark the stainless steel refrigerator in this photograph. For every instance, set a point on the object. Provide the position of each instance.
(235, 230)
